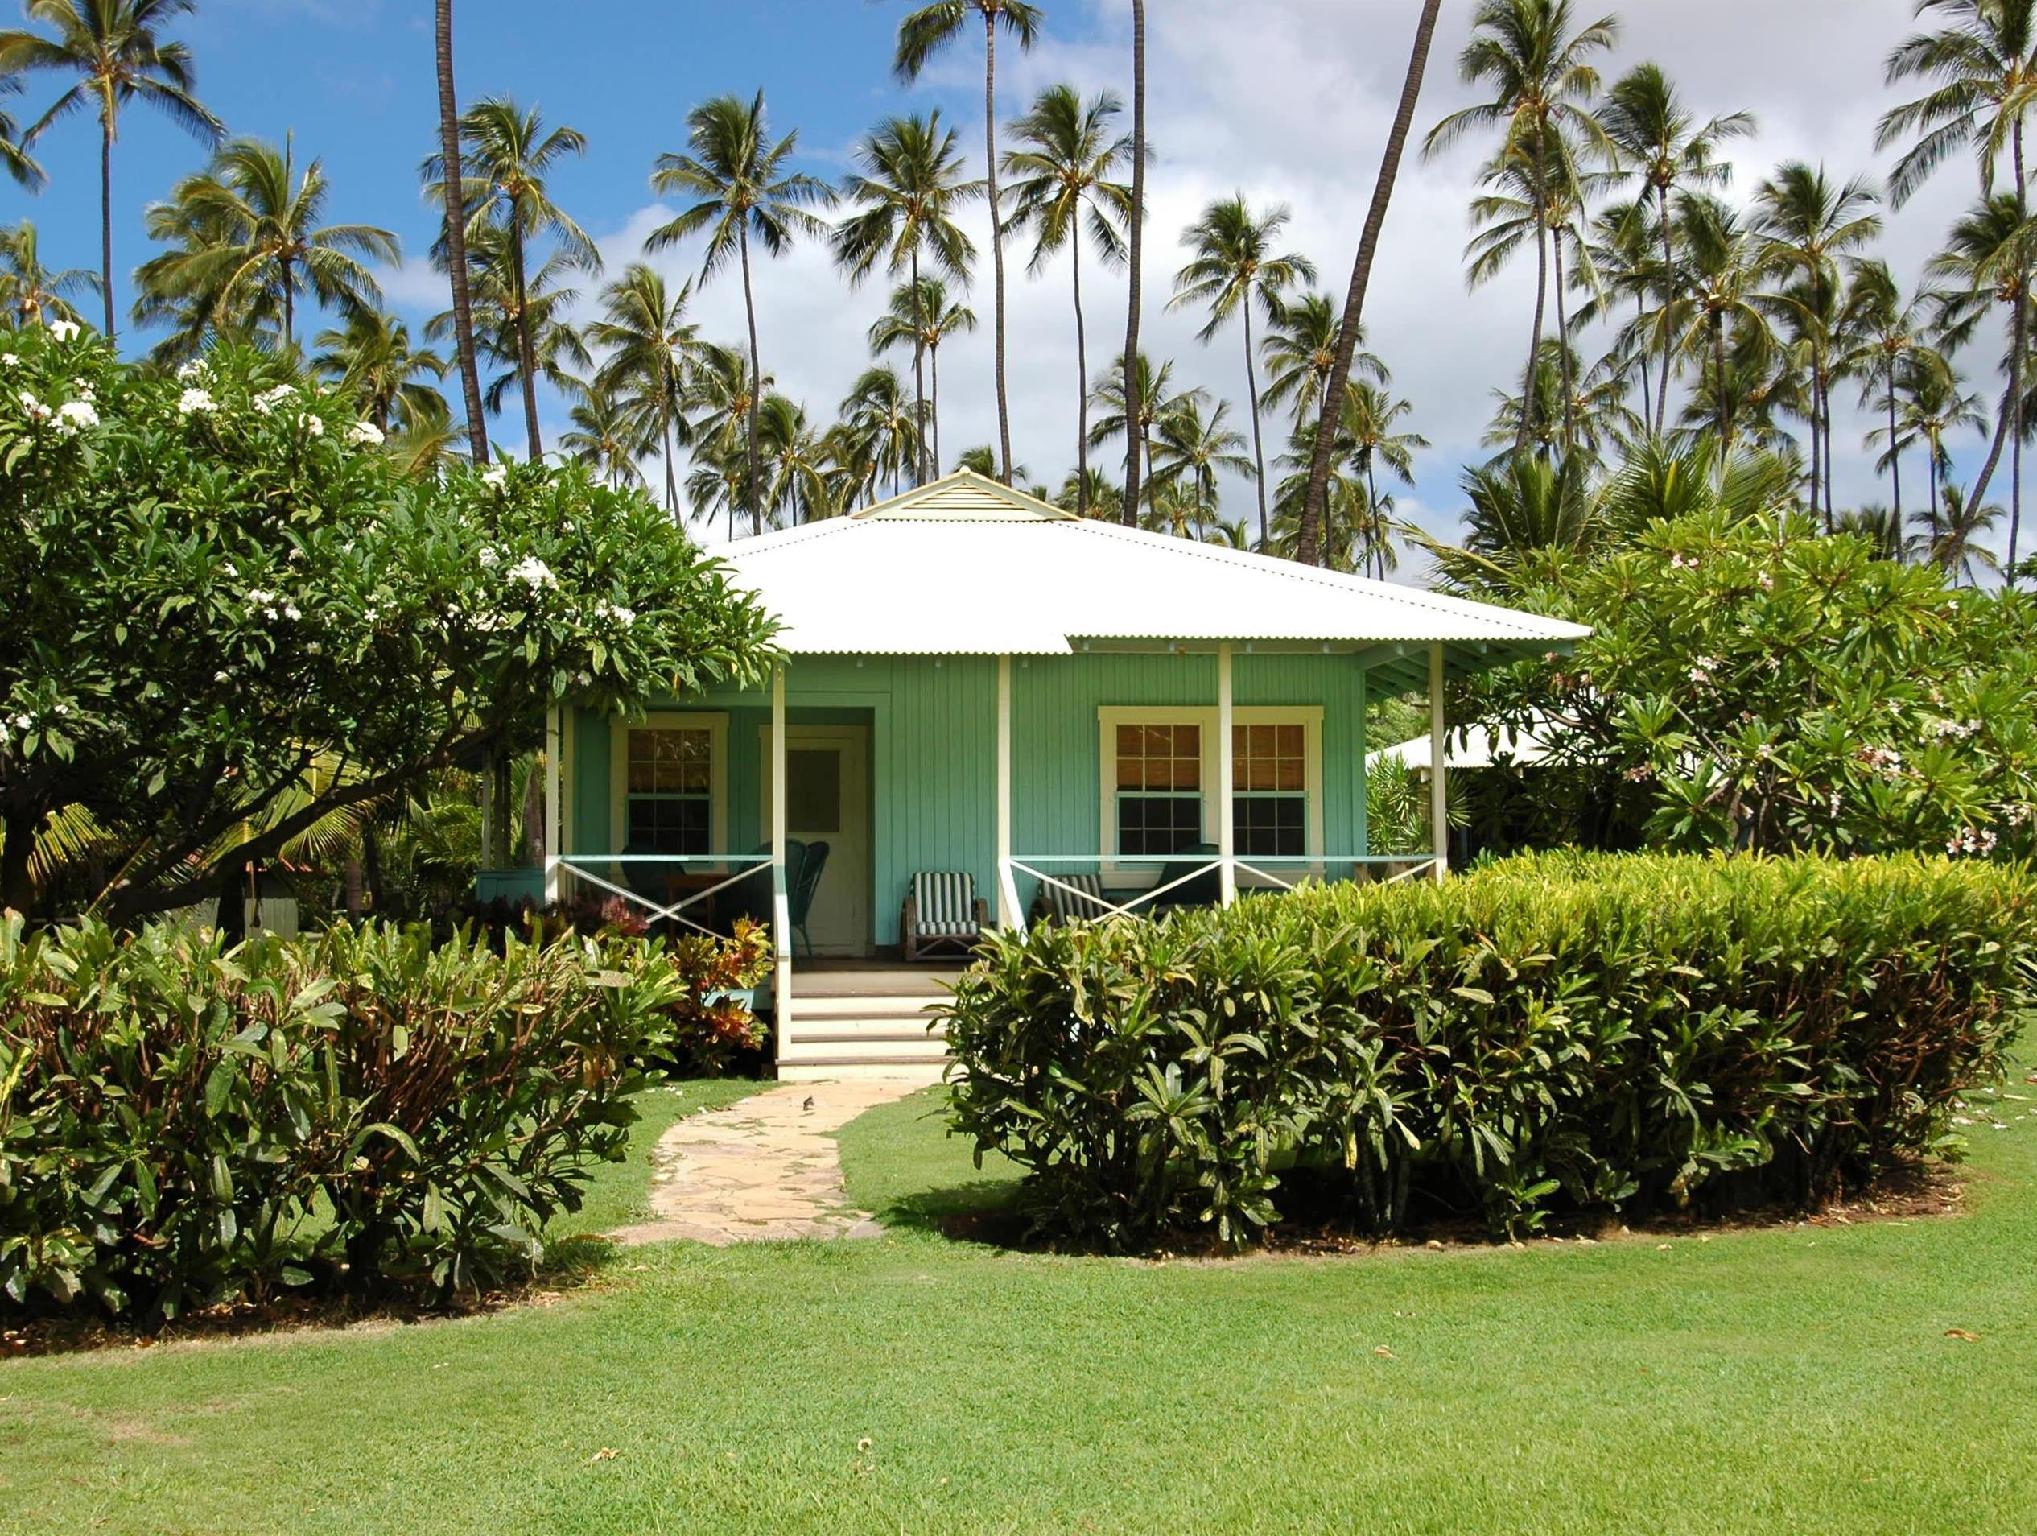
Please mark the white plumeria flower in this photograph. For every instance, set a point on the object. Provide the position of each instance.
(365, 434)
(64, 330)
(533, 573)
(495, 476)
(196, 402)
(488, 558)
(34, 409)
(314, 426)
(190, 371)
(9, 360)
(269, 399)
(77, 415)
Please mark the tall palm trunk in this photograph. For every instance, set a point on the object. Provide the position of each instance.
(526, 349)
(755, 487)
(919, 374)
(1931, 469)
(289, 305)
(1817, 415)
(1720, 405)
(456, 235)
(1563, 350)
(1668, 294)
(1307, 536)
(934, 383)
(671, 478)
(106, 221)
(2019, 341)
(1895, 455)
(996, 230)
(1647, 394)
(1258, 446)
(1526, 426)
(1129, 513)
(1081, 385)
(1831, 517)
(1378, 532)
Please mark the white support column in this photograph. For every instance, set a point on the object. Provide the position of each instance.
(1007, 888)
(781, 905)
(554, 740)
(1227, 830)
(1439, 816)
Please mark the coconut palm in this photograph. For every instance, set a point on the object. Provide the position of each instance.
(1300, 351)
(1524, 504)
(924, 32)
(1134, 241)
(903, 200)
(1932, 404)
(608, 435)
(1370, 421)
(30, 293)
(1191, 447)
(1137, 412)
(1954, 545)
(1538, 67)
(1886, 345)
(880, 435)
(921, 320)
(506, 153)
(118, 53)
(718, 400)
(736, 176)
(1655, 138)
(1806, 223)
(650, 344)
(1718, 311)
(454, 207)
(1100, 496)
(795, 461)
(1986, 266)
(1061, 184)
(1322, 445)
(15, 159)
(557, 353)
(258, 245)
(1981, 65)
(1619, 250)
(370, 357)
(1596, 405)
(426, 438)
(1232, 266)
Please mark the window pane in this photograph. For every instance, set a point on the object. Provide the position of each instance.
(1157, 824)
(667, 824)
(670, 760)
(813, 789)
(1271, 826)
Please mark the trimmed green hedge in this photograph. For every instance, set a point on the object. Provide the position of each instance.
(1565, 1032)
(365, 1110)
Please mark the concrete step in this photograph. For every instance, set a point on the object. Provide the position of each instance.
(829, 1071)
(864, 1047)
(861, 1006)
(873, 1035)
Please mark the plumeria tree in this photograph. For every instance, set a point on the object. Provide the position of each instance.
(216, 582)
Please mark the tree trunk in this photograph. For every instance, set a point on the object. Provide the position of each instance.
(1563, 351)
(1668, 294)
(1376, 537)
(106, 222)
(934, 385)
(671, 477)
(353, 887)
(1129, 513)
(232, 917)
(1895, 457)
(1258, 447)
(526, 349)
(1817, 441)
(996, 228)
(1524, 428)
(756, 384)
(1825, 391)
(919, 375)
(289, 307)
(1931, 469)
(1081, 384)
(1361, 276)
(1719, 405)
(1647, 393)
(456, 237)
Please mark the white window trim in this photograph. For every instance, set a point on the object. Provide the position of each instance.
(1110, 716)
(717, 727)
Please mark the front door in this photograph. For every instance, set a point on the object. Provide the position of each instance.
(827, 800)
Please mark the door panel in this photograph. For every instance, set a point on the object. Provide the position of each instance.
(827, 800)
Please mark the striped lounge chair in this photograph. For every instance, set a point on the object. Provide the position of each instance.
(1060, 904)
(942, 907)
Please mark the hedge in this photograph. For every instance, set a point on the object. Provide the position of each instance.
(184, 1125)
(1559, 1033)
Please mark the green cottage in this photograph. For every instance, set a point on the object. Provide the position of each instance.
(991, 708)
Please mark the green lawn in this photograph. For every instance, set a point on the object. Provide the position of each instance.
(1787, 1380)
(618, 1194)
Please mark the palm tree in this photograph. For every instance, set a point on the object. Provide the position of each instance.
(1955, 546)
(922, 33)
(797, 459)
(507, 153)
(922, 320)
(1100, 495)
(1323, 445)
(15, 159)
(1062, 180)
(453, 204)
(608, 436)
(118, 53)
(1524, 504)
(426, 438)
(31, 293)
(370, 357)
(1987, 261)
(1594, 400)
(650, 345)
(1191, 448)
(1886, 347)
(1128, 359)
(1806, 224)
(740, 188)
(1717, 304)
(1300, 352)
(1620, 256)
(905, 196)
(1932, 404)
(1136, 413)
(720, 398)
(1655, 138)
(1231, 266)
(555, 353)
(259, 244)
(880, 434)
(1371, 416)
(1542, 82)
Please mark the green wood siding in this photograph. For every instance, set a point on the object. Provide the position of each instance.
(933, 742)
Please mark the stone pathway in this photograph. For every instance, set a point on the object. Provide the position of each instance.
(765, 1169)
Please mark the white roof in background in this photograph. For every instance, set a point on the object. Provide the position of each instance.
(966, 566)
(1471, 746)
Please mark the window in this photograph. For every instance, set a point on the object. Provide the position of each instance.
(1159, 789)
(668, 776)
(1159, 766)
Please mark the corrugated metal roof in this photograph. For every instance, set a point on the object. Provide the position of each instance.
(965, 566)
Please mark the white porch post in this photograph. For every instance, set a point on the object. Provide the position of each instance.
(1439, 818)
(781, 905)
(554, 739)
(1227, 831)
(1007, 888)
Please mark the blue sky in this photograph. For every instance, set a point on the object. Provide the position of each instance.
(1287, 100)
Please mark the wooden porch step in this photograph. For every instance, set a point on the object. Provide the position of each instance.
(803, 1039)
(860, 1006)
(926, 1071)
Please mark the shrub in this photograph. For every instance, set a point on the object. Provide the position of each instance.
(1573, 1032)
(183, 1124)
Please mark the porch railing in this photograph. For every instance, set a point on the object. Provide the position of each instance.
(1399, 866)
(587, 867)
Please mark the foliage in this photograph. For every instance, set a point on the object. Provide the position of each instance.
(183, 1124)
(1562, 1033)
(215, 581)
(1745, 690)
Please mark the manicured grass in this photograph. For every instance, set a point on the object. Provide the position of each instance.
(1789, 1380)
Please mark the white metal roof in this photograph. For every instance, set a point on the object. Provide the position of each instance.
(1470, 746)
(966, 566)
